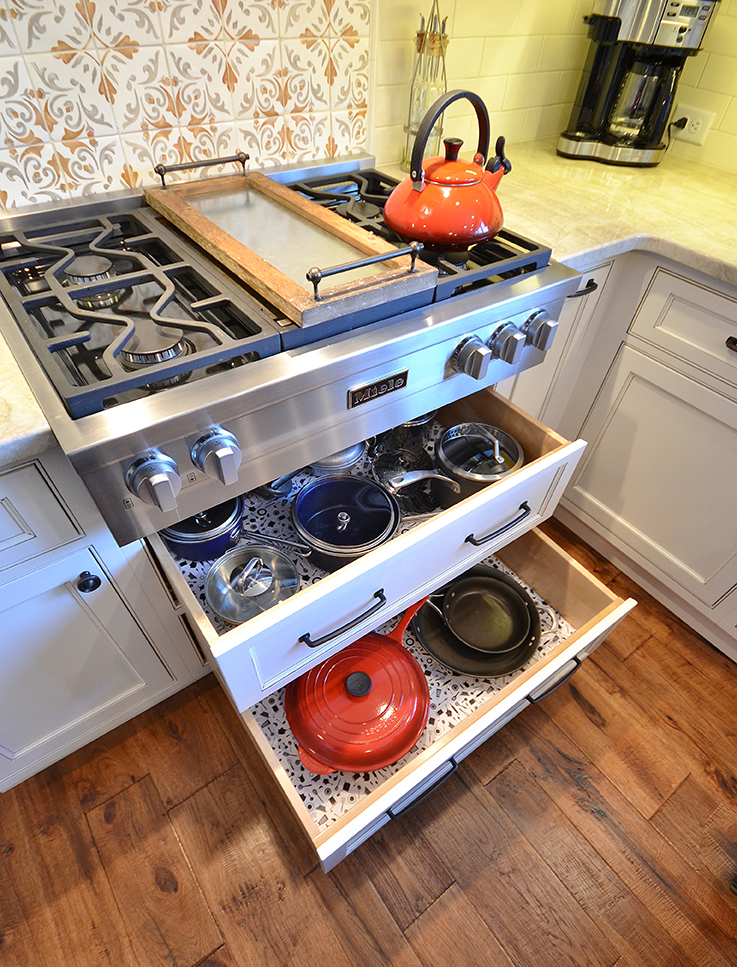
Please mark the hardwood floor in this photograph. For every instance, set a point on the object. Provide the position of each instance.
(599, 828)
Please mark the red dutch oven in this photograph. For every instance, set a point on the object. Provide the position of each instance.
(361, 709)
(449, 204)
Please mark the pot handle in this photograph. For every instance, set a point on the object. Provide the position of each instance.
(400, 480)
(428, 123)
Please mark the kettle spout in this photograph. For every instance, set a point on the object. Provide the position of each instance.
(492, 178)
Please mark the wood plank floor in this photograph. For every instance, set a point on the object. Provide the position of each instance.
(599, 828)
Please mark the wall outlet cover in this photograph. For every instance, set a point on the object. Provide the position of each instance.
(698, 123)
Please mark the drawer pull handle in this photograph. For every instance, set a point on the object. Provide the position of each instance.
(731, 343)
(426, 793)
(87, 582)
(346, 627)
(564, 679)
(590, 287)
(478, 541)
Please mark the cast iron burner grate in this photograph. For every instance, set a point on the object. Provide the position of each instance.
(360, 196)
(115, 313)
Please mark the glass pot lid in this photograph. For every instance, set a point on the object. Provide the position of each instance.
(478, 451)
(344, 513)
(248, 580)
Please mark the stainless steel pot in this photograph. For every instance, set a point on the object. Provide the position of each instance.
(340, 460)
(248, 580)
(342, 517)
(468, 457)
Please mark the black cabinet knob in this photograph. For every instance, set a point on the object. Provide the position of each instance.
(87, 582)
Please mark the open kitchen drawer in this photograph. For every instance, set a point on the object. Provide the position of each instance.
(339, 812)
(264, 653)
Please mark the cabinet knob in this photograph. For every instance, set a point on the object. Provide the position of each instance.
(87, 582)
(218, 455)
(155, 479)
(507, 343)
(472, 357)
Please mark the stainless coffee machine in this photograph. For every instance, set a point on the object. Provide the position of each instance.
(627, 90)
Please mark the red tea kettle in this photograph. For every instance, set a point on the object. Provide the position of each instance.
(448, 204)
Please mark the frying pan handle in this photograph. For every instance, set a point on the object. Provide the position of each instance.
(566, 678)
(428, 123)
(348, 625)
(478, 541)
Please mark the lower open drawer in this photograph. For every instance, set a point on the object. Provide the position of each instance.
(340, 811)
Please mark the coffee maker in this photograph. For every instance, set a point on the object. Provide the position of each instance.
(626, 95)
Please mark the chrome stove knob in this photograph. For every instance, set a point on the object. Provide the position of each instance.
(155, 479)
(472, 357)
(539, 330)
(507, 343)
(218, 455)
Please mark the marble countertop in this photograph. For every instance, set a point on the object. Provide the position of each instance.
(586, 212)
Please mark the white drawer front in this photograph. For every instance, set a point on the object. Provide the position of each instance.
(691, 321)
(268, 652)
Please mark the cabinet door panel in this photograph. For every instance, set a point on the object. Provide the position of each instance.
(691, 321)
(660, 471)
(70, 660)
(32, 520)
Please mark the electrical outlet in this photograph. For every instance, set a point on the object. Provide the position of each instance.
(698, 123)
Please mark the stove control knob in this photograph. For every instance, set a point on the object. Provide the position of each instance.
(539, 330)
(155, 479)
(472, 357)
(507, 343)
(218, 455)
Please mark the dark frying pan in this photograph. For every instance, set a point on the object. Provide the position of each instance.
(487, 612)
(437, 638)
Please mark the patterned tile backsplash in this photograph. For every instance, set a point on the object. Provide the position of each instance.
(95, 93)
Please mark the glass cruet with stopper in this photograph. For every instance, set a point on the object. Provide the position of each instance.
(428, 82)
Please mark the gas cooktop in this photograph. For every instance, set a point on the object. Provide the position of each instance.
(117, 305)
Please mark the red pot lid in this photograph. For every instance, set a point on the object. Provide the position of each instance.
(359, 710)
(452, 170)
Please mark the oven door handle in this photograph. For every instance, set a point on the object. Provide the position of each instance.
(348, 625)
(478, 541)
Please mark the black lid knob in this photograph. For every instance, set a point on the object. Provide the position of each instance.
(358, 684)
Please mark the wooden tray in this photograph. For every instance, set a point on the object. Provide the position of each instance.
(338, 295)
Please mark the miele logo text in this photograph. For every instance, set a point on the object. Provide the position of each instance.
(380, 388)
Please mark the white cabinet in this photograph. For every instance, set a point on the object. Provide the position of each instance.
(89, 636)
(661, 458)
(72, 657)
(657, 405)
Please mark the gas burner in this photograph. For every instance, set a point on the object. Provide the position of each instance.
(92, 268)
(357, 210)
(151, 344)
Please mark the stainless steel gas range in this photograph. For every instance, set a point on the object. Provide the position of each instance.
(172, 387)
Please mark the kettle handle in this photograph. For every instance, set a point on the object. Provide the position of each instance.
(428, 123)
